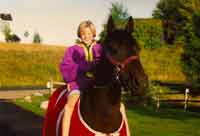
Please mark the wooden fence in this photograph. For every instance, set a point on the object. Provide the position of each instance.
(185, 99)
(158, 98)
(51, 85)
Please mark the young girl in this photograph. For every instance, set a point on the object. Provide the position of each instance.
(76, 67)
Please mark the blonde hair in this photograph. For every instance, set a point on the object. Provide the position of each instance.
(86, 24)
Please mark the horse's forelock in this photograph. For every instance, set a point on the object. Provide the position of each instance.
(118, 36)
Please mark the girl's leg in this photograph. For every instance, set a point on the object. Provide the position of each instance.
(123, 111)
(68, 109)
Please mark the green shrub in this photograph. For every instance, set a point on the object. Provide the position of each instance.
(149, 32)
(191, 59)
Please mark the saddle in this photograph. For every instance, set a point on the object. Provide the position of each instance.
(52, 125)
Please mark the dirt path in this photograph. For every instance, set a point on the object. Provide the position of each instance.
(15, 121)
(14, 94)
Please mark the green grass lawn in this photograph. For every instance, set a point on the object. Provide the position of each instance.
(167, 122)
(145, 121)
(33, 106)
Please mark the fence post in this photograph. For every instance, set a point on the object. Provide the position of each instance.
(157, 101)
(51, 89)
(50, 86)
(186, 99)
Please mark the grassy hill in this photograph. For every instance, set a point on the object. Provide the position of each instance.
(35, 64)
(29, 64)
(163, 64)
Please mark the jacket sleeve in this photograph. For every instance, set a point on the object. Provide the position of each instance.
(68, 67)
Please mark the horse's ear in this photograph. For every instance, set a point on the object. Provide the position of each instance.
(130, 25)
(110, 25)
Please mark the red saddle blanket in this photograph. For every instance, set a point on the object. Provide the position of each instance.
(53, 119)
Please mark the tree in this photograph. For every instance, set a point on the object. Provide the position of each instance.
(168, 12)
(9, 36)
(37, 38)
(166, 9)
(191, 55)
(119, 14)
(13, 38)
(191, 59)
(196, 22)
(26, 34)
(6, 31)
(176, 16)
(185, 17)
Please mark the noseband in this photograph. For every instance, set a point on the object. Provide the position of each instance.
(119, 68)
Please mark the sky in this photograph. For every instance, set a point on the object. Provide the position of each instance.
(57, 20)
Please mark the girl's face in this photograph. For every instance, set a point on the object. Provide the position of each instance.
(86, 36)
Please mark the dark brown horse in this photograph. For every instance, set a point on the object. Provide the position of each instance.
(99, 106)
(119, 67)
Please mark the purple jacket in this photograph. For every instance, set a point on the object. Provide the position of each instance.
(77, 63)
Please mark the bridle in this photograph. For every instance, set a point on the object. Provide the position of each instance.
(119, 68)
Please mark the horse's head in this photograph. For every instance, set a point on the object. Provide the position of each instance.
(122, 50)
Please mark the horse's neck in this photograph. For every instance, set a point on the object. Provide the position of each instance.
(99, 111)
(100, 106)
(106, 87)
(103, 72)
